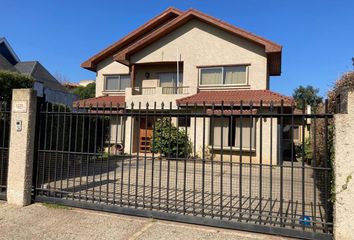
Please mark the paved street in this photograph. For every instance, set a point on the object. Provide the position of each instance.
(39, 221)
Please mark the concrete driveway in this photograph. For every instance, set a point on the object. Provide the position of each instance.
(39, 221)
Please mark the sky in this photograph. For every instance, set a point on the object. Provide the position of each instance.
(317, 35)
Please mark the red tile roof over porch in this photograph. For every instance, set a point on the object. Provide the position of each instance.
(101, 101)
(208, 97)
(235, 97)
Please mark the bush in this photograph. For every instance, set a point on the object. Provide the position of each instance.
(170, 141)
(12, 80)
(71, 132)
(308, 151)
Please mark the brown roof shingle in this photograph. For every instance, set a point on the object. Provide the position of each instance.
(235, 97)
(170, 20)
(132, 37)
(100, 102)
(272, 49)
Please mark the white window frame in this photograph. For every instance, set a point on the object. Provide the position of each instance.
(234, 147)
(114, 75)
(223, 76)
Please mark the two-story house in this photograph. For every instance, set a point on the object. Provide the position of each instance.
(192, 59)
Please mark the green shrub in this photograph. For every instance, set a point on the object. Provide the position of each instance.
(170, 141)
(308, 151)
(12, 80)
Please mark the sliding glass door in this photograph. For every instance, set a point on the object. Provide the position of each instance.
(170, 83)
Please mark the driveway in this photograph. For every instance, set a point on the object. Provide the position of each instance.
(247, 192)
(40, 221)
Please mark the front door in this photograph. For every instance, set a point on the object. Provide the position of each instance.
(145, 135)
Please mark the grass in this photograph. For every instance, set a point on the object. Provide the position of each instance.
(55, 206)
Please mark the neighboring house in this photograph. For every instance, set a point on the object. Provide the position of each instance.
(82, 83)
(189, 58)
(45, 84)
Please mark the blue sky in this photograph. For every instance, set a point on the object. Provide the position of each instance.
(317, 35)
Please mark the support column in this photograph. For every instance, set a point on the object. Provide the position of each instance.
(21, 148)
(132, 76)
(344, 168)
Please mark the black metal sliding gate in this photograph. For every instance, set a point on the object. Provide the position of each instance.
(4, 146)
(257, 167)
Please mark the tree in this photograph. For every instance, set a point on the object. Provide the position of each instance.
(307, 94)
(12, 80)
(169, 140)
(86, 92)
(61, 77)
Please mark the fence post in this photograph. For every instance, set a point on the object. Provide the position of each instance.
(21, 147)
(344, 168)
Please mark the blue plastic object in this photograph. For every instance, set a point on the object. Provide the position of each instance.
(305, 220)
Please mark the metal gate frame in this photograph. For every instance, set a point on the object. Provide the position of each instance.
(51, 159)
(5, 117)
(286, 232)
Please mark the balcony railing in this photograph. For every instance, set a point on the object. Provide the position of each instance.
(160, 90)
(175, 90)
(144, 91)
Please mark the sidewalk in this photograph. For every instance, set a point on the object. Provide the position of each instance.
(40, 221)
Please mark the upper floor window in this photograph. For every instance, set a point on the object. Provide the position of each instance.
(117, 82)
(230, 75)
(170, 79)
(170, 82)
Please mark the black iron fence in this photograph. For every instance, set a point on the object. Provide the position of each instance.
(4, 146)
(254, 166)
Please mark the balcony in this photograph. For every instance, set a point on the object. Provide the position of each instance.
(183, 90)
(158, 95)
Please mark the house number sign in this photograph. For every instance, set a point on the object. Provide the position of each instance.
(20, 106)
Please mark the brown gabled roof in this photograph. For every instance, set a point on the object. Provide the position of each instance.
(100, 102)
(145, 29)
(170, 20)
(272, 49)
(235, 97)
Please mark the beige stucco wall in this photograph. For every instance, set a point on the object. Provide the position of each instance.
(344, 170)
(148, 101)
(269, 142)
(268, 139)
(200, 44)
(106, 67)
(154, 71)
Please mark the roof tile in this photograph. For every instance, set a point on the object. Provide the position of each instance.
(235, 97)
(101, 101)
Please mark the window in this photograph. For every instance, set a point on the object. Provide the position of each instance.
(210, 76)
(170, 83)
(116, 129)
(233, 75)
(184, 121)
(227, 133)
(117, 82)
